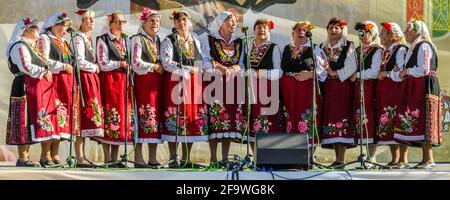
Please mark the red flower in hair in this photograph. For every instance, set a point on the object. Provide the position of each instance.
(64, 15)
(27, 21)
(80, 12)
(387, 26)
(175, 13)
(145, 13)
(271, 25)
(343, 23)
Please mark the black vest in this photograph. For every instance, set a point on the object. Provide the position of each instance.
(57, 54)
(413, 59)
(18, 86)
(265, 62)
(145, 54)
(305, 62)
(214, 44)
(393, 59)
(340, 63)
(113, 52)
(367, 58)
(184, 60)
(88, 54)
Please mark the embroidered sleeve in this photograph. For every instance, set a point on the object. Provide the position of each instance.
(321, 64)
(44, 46)
(139, 66)
(81, 60)
(22, 58)
(167, 58)
(103, 57)
(349, 65)
(423, 61)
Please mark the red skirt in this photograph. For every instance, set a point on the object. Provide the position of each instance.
(297, 106)
(192, 112)
(389, 101)
(42, 109)
(420, 120)
(337, 113)
(228, 120)
(148, 92)
(113, 97)
(62, 83)
(91, 115)
(264, 121)
(369, 127)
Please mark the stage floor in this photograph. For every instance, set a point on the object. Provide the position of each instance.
(9, 172)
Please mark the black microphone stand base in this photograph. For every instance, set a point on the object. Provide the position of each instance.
(363, 163)
(173, 163)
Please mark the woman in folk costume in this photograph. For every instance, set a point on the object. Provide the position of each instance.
(420, 124)
(222, 53)
(338, 91)
(32, 109)
(112, 56)
(56, 49)
(265, 61)
(91, 115)
(390, 90)
(371, 52)
(148, 81)
(297, 82)
(183, 88)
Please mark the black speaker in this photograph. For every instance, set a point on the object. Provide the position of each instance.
(282, 151)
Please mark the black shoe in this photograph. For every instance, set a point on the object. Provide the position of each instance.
(46, 163)
(141, 165)
(189, 164)
(57, 162)
(27, 163)
(390, 165)
(86, 164)
(425, 165)
(154, 165)
(174, 165)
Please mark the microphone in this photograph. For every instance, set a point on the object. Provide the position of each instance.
(244, 29)
(70, 30)
(174, 31)
(361, 34)
(308, 34)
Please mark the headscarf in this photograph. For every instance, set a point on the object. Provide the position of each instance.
(219, 20)
(20, 27)
(54, 19)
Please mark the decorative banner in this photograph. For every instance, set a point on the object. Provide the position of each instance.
(440, 25)
(414, 9)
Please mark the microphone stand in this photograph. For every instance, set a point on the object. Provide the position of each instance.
(312, 161)
(125, 157)
(71, 161)
(362, 160)
(174, 162)
(248, 157)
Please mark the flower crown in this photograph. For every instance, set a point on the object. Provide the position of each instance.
(147, 12)
(174, 14)
(80, 12)
(387, 26)
(271, 25)
(343, 23)
(62, 17)
(309, 26)
(368, 27)
(27, 23)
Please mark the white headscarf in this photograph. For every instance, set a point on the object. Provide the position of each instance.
(424, 35)
(18, 31)
(397, 31)
(218, 21)
(54, 19)
(375, 33)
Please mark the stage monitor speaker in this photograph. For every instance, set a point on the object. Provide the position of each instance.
(282, 151)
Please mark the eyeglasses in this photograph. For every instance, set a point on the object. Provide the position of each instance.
(120, 21)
